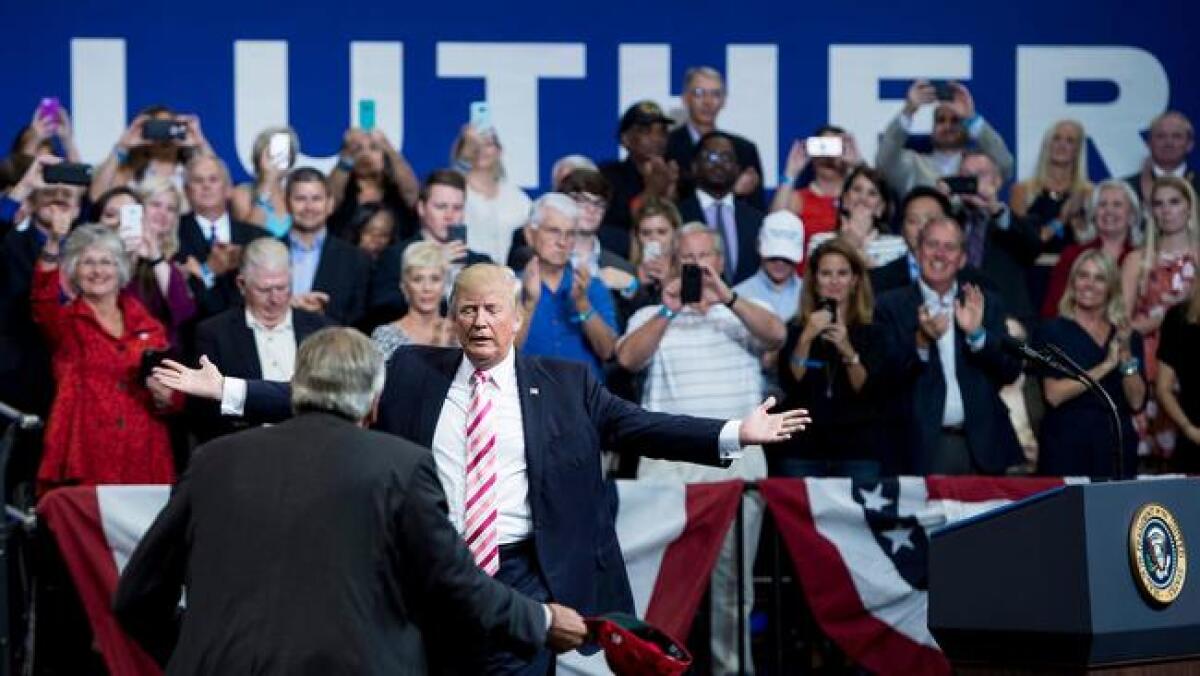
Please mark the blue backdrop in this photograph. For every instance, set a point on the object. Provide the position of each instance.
(1028, 63)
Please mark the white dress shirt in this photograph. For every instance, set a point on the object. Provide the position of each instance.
(515, 521)
(954, 414)
(216, 231)
(728, 219)
(276, 347)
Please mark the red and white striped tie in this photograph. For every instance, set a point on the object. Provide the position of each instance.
(479, 518)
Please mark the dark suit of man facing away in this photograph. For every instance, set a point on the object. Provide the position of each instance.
(317, 547)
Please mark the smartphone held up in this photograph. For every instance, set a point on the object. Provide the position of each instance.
(823, 146)
(690, 283)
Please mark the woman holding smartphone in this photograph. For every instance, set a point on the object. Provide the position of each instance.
(833, 154)
(263, 202)
(829, 364)
(157, 284)
(157, 144)
(370, 170)
(656, 229)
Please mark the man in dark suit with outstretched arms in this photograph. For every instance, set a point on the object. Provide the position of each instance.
(554, 532)
(319, 547)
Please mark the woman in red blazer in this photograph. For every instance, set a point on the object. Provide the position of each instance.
(105, 426)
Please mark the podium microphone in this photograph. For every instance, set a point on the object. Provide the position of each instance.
(1023, 351)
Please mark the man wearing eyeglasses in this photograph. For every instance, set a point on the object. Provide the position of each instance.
(715, 172)
(569, 313)
(704, 97)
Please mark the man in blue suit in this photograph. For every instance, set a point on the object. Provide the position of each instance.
(553, 523)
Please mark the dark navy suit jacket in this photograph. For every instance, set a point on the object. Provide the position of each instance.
(920, 396)
(568, 417)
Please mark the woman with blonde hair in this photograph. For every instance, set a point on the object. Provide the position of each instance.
(160, 286)
(423, 283)
(495, 207)
(1055, 196)
(1114, 224)
(1160, 274)
(1093, 329)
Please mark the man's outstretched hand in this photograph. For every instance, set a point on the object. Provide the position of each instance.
(567, 629)
(761, 427)
(204, 382)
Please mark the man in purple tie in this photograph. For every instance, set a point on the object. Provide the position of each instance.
(715, 171)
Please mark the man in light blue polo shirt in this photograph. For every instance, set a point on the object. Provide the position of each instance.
(781, 247)
(568, 313)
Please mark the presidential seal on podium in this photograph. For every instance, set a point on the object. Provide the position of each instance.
(1158, 554)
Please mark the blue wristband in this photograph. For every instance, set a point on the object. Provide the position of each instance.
(345, 165)
(784, 179)
(666, 312)
(634, 285)
(976, 335)
(121, 155)
(581, 317)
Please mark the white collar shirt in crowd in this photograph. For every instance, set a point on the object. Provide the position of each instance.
(1177, 172)
(215, 231)
(953, 415)
(276, 347)
(450, 449)
(706, 365)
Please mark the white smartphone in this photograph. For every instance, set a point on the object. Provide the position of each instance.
(279, 151)
(653, 249)
(130, 228)
(823, 146)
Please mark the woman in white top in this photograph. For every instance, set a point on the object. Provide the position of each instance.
(495, 207)
(864, 210)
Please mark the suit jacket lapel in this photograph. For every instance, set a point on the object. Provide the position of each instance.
(433, 395)
(325, 265)
(245, 348)
(529, 388)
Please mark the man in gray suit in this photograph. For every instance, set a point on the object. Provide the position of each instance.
(319, 547)
(955, 124)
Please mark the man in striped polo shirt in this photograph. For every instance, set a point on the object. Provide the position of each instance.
(703, 359)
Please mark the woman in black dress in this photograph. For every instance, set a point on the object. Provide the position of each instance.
(1093, 329)
(829, 365)
(1178, 382)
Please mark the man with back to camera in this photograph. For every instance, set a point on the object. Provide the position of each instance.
(329, 276)
(549, 531)
(714, 171)
(955, 124)
(439, 206)
(704, 97)
(945, 358)
(317, 546)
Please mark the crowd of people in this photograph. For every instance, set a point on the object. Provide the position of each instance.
(877, 293)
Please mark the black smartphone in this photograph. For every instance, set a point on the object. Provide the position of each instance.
(69, 173)
(690, 283)
(164, 130)
(942, 90)
(458, 233)
(830, 305)
(962, 185)
(150, 359)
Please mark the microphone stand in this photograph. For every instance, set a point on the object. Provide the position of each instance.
(1080, 374)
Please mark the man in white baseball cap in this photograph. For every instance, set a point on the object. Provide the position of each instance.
(781, 248)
